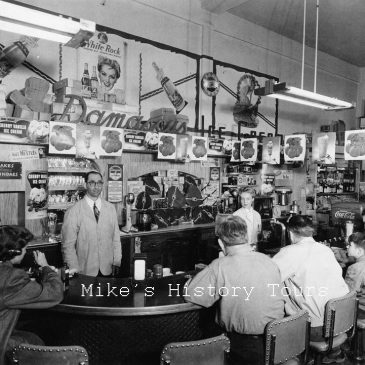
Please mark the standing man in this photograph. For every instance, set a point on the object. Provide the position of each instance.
(90, 233)
(242, 283)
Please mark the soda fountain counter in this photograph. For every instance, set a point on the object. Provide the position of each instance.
(118, 324)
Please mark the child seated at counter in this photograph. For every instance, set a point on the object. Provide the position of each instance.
(355, 276)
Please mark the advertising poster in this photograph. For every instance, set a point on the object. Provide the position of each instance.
(21, 131)
(294, 147)
(102, 68)
(215, 146)
(198, 148)
(115, 183)
(235, 151)
(167, 146)
(271, 150)
(248, 149)
(36, 194)
(324, 147)
(111, 141)
(87, 141)
(134, 140)
(62, 139)
(10, 170)
(355, 145)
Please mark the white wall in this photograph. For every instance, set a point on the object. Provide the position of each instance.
(185, 25)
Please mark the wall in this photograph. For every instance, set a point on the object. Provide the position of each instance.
(185, 25)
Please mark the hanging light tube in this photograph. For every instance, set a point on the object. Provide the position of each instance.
(35, 23)
(301, 96)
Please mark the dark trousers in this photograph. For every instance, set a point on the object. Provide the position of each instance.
(246, 349)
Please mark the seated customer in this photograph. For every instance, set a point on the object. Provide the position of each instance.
(311, 274)
(355, 276)
(242, 282)
(18, 291)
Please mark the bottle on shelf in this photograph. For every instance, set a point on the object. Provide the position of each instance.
(94, 84)
(85, 80)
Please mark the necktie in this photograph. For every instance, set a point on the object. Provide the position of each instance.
(96, 212)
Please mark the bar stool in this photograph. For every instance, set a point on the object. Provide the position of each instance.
(287, 338)
(209, 351)
(359, 338)
(339, 325)
(25, 354)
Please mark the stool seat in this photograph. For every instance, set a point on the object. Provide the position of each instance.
(322, 346)
(360, 323)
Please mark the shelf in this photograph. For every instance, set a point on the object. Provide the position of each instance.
(60, 206)
(58, 170)
(235, 186)
(66, 187)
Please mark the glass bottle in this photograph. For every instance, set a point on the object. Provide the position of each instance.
(94, 84)
(173, 94)
(15, 54)
(85, 80)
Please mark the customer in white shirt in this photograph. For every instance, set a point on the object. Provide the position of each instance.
(311, 275)
(251, 217)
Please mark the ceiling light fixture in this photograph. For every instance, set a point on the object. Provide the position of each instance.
(301, 96)
(35, 23)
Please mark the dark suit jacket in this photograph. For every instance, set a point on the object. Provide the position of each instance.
(17, 292)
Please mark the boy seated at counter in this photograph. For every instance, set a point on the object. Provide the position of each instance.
(246, 284)
(355, 276)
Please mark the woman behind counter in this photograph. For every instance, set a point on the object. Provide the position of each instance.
(18, 291)
(248, 214)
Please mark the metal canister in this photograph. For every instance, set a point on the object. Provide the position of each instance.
(349, 228)
(157, 271)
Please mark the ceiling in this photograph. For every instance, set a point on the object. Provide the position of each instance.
(341, 22)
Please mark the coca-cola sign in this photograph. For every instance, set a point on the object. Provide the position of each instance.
(346, 211)
(343, 214)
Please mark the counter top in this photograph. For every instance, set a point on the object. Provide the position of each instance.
(178, 228)
(99, 296)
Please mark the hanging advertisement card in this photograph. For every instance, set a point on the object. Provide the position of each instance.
(134, 140)
(111, 141)
(271, 150)
(62, 139)
(87, 141)
(115, 183)
(167, 146)
(294, 147)
(215, 146)
(227, 147)
(324, 147)
(198, 148)
(36, 194)
(21, 131)
(235, 151)
(248, 149)
(354, 145)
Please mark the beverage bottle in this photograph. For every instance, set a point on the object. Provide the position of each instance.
(15, 54)
(173, 94)
(94, 84)
(85, 80)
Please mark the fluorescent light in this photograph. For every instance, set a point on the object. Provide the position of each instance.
(35, 23)
(301, 96)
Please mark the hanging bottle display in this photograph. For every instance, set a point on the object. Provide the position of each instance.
(14, 55)
(173, 94)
